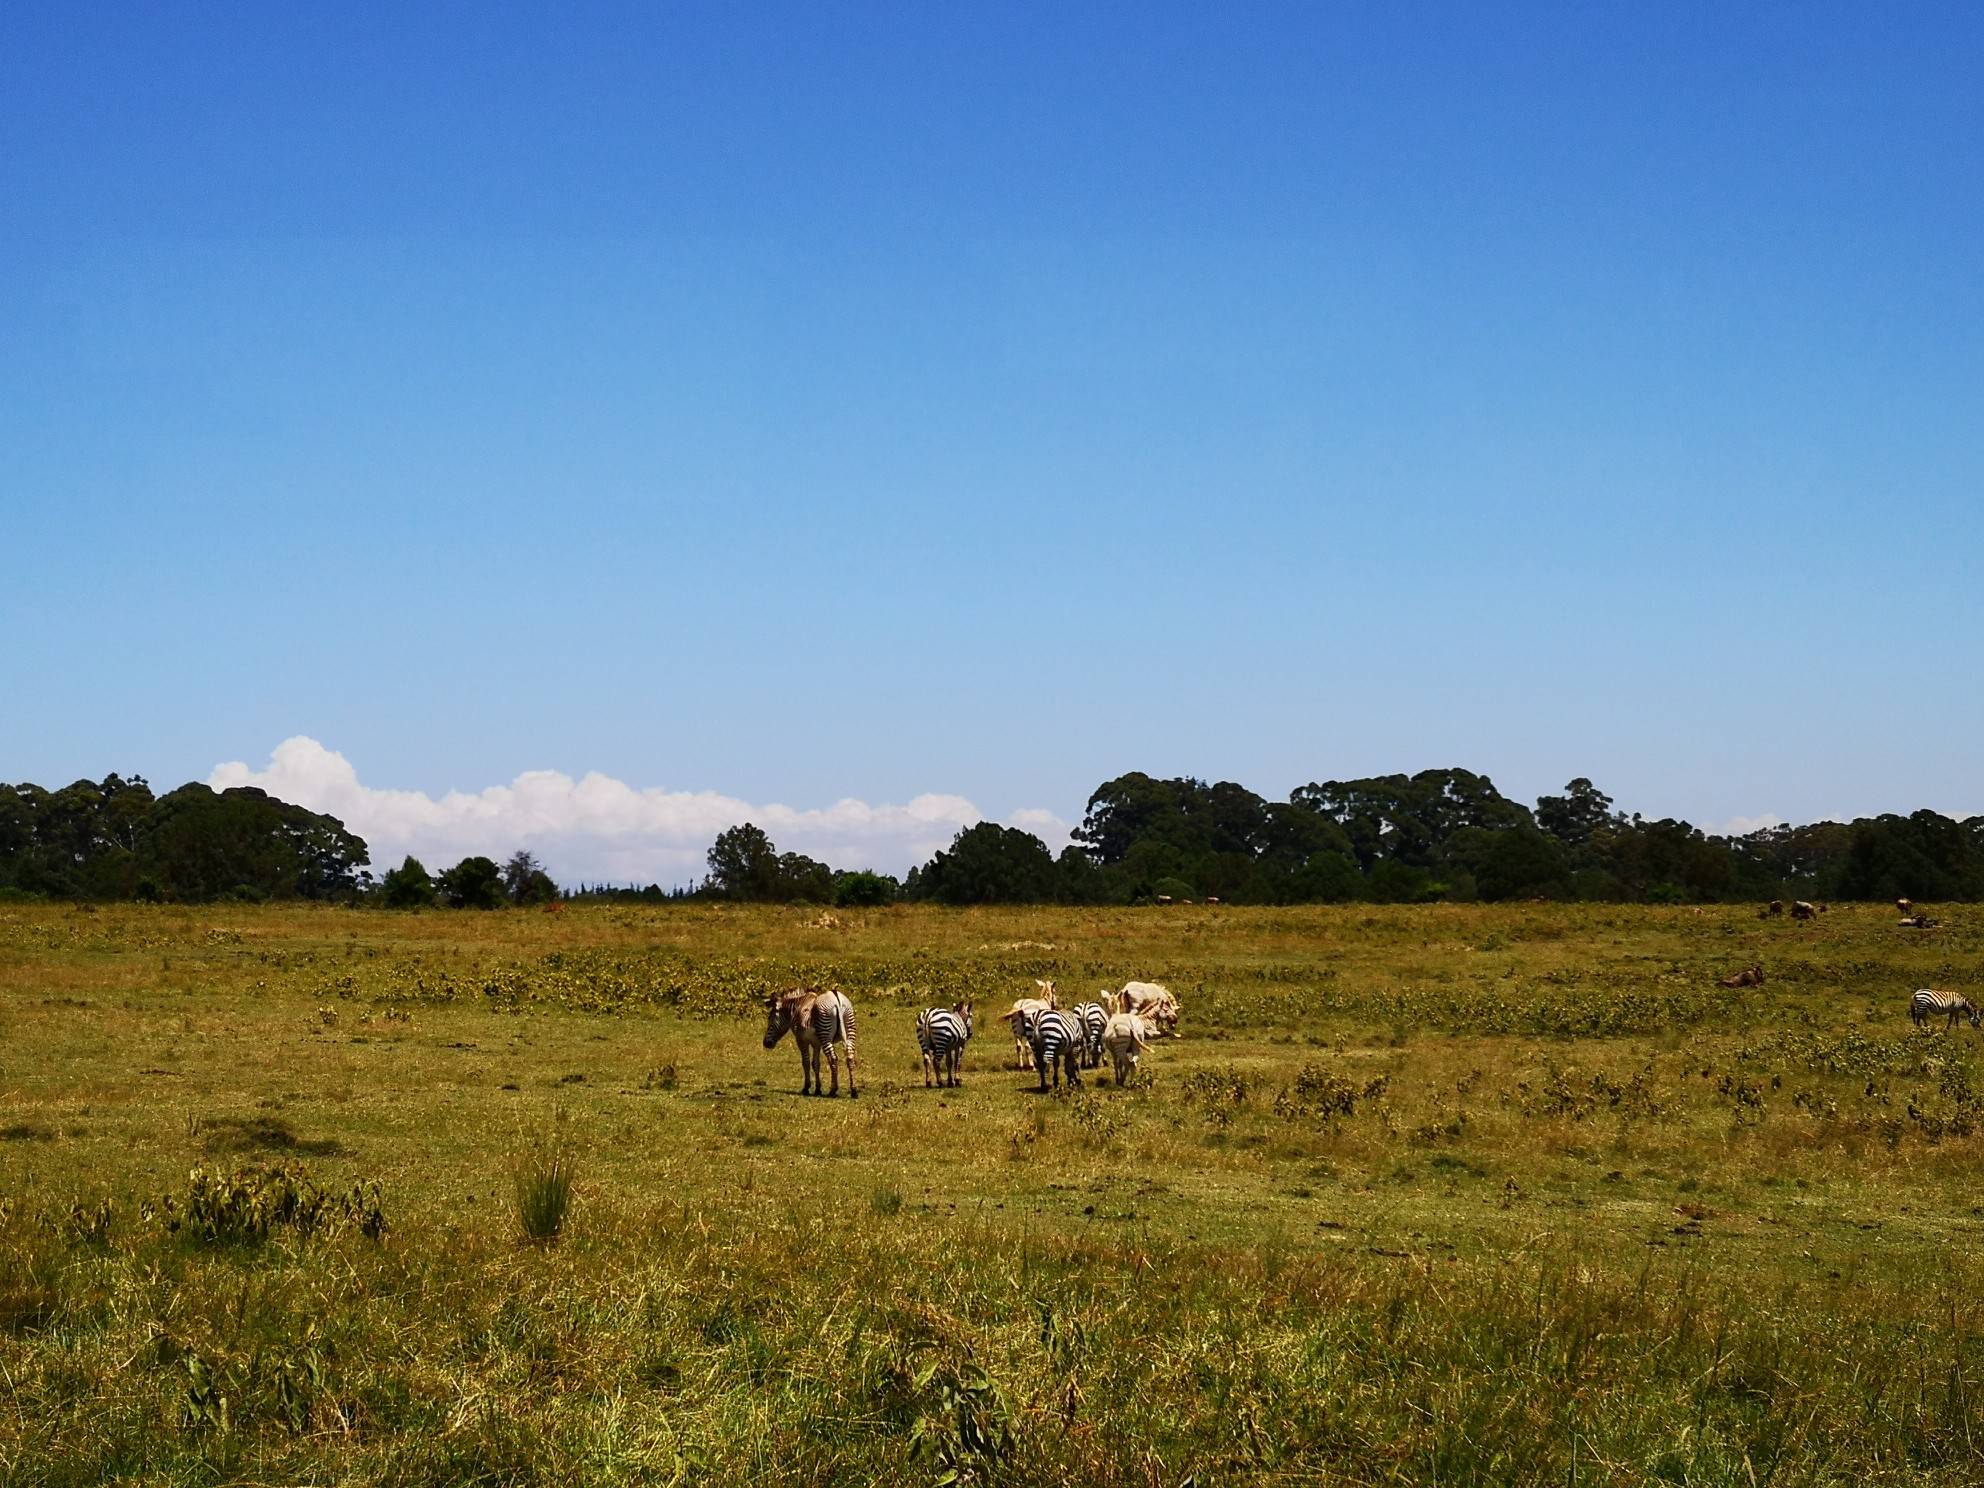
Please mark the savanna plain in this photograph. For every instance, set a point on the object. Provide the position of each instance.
(1421, 1194)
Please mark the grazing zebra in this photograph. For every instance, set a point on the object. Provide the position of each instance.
(817, 1021)
(1926, 1003)
(942, 1033)
(1092, 1018)
(1800, 910)
(1057, 1042)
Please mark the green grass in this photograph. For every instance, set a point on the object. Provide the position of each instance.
(1433, 1194)
(542, 1185)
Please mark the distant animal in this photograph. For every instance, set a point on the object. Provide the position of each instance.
(1920, 922)
(1152, 1000)
(1904, 906)
(1775, 907)
(1019, 1017)
(1800, 910)
(1092, 1016)
(1928, 1002)
(1057, 1045)
(1754, 977)
(1126, 1036)
(819, 1022)
(942, 1033)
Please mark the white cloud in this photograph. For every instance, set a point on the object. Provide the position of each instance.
(600, 828)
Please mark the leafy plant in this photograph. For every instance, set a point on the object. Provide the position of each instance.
(963, 1426)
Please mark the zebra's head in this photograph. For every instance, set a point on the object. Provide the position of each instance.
(963, 1010)
(1971, 1008)
(778, 1019)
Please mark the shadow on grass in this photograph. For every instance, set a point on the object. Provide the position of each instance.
(264, 1134)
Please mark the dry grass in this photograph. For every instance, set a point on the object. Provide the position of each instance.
(1424, 1194)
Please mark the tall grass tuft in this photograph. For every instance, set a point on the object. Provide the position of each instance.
(543, 1188)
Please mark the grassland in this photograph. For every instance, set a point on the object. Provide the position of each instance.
(1436, 1194)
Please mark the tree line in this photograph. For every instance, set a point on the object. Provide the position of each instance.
(116, 839)
(1439, 834)
(1397, 839)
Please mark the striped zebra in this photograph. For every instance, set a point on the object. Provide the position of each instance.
(942, 1033)
(1093, 1018)
(1057, 1042)
(1926, 1003)
(1020, 1018)
(819, 1022)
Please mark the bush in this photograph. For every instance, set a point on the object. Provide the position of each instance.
(862, 888)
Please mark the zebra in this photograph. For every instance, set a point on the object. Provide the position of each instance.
(1057, 1042)
(1926, 1003)
(817, 1022)
(942, 1033)
(1020, 1018)
(1151, 1000)
(1126, 1038)
(1092, 1017)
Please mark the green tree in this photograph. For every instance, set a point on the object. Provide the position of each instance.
(408, 886)
(990, 864)
(473, 883)
(1407, 819)
(1924, 856)
(525, 880)
(202, 844)
(1573, 817)
(743, 864)
(1515, 863)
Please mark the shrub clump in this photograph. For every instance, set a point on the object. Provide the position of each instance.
(249, 1205)
(542, 1185)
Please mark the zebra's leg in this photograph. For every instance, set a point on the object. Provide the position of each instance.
(847, 1032)
(833, 1064)
(930, 1076)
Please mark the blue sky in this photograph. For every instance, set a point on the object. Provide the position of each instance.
(809, 402)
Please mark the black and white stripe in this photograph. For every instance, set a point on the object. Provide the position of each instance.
(1057, 1042)
(942, 1033)
(1093, 1018)
(1928, 1002)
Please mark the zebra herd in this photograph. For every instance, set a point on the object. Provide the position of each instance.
(1046, 1037)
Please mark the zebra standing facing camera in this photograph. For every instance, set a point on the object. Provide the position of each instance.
(1928, 1002)
(942, 1033)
